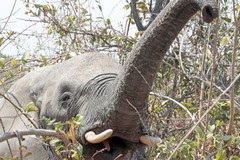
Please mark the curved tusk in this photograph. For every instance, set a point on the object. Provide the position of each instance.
(91, 137)
(149, 140)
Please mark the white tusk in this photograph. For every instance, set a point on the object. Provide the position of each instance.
(93, 138)
(149, 140)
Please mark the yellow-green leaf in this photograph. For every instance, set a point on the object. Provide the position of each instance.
(44, 60)
(31, 108)
(13, 62)
(46, 8)
(1, 40)
(224, 41)
(70, 18)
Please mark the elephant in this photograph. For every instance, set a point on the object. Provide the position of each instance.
(112, 98)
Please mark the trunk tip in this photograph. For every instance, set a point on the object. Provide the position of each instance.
(209, 13)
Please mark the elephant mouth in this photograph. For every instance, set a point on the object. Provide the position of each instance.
(106, 146)
(111, 148)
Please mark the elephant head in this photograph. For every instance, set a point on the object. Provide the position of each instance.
(111, 98)
(114, 104)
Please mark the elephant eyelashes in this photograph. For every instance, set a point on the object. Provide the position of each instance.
(65, 99)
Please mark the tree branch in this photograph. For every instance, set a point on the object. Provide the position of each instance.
(232, 92)
(36, 132)
(159, 5)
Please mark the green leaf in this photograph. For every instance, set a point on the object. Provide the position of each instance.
(224, 41)
(58, 126)
(50, 31)
(217, 123)
(10, 33)
(76, 120)
(48, 121)
(44, 60)
(108, 22)
(13, 62)
(27, 5)
(70, 18)
(67, 57)
(225, 138)
(1, 40)
(54, 141)
(31, 108)
(211, 128)
(2, 62)
(24, 61)
(46, 8)
(234, 158)
(228, 20)
(126, 7)
(27, 154)
(221, 154)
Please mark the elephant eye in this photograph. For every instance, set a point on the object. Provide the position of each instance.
(65, 99)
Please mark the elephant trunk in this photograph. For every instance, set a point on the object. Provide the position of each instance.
(134, 82)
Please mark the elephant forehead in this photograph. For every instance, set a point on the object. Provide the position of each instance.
(81, 69)
(71, 73)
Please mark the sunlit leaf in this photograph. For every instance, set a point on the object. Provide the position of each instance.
(1, 40)
(46, 8)
(44, 60)
(13, 62)
(221, 154)
(27, 154)
(54, 141)
(31, 108)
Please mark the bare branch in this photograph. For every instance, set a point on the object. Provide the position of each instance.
(159, 5)
(136, 18)
(232, 91)
(36, 132)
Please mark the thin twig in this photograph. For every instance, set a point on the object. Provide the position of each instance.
(97, 152)
(173, 100)
(212, 80)
(19, 137)
(140, 117)
(4, 131)
(9, 16)
(232, 92)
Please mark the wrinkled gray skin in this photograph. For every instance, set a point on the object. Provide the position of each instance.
(106, 94)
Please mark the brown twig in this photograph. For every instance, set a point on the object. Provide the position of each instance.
(4, 131)
(212, 80)
(36, 132)
(232, 92)
(97, 152)
(19, 137)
